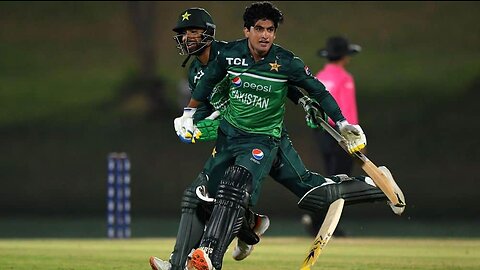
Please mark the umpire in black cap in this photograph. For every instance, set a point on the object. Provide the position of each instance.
(337, 47)
(340, 83)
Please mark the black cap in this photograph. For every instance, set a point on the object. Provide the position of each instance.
(338, 47)
(194, 18)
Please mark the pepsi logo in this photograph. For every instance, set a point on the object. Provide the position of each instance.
(237, 81)
(257, 154)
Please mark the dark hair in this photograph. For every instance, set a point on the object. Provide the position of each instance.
(262, 10)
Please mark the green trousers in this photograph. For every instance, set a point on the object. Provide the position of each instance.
(254, 152)
(262, 155)
(289, 170)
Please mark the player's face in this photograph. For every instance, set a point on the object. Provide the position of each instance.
(190, 41)
(192, 38)
(260, 37)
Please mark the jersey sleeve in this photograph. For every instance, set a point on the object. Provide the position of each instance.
(294, 94)
(301, 76)
(191, 83)
(219, 97)
(215, 72)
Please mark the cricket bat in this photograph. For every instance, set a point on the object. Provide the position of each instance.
(367, 165)
(324, 234)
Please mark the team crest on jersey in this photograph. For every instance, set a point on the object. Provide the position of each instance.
(274, 66)
(257, 154)
(237, 81)
(307, 71)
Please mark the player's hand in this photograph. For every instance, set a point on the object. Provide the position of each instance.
(181, 132)
(312, 108)
(206, 129)
(184, 126)
(356, 139)
(310, 122)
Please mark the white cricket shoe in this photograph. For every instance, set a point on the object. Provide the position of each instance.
(199, 261)
(242, 249)
(159, 264)
(396, 209)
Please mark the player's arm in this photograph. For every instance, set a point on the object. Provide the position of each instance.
(207, 117)
(301, 76)
(215, 72)
(219, 97)
(213, 75)
(307, 103)
(206, 129)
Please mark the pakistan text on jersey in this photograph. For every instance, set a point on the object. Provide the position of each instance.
(250, 99)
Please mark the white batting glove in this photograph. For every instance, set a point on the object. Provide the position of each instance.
(184, 125)
(356, 139)
(181, 132)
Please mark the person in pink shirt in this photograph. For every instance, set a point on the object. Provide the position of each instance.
(340, 83)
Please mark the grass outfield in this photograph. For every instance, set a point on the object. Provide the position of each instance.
(273, 253)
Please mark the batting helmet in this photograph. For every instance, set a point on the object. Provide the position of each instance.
(194, 18)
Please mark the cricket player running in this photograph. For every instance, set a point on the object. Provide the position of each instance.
(287, 169)
(195, 36)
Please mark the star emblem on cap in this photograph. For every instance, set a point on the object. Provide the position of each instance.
(185, 16)
(274, 66)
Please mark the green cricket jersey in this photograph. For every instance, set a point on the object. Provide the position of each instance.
(258, 89)
(218, 99)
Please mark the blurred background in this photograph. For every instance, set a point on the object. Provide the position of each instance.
(79, 80)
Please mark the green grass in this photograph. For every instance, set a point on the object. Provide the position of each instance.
(161, 226)
(273, 253)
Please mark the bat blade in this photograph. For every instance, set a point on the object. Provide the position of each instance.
(324, 234)
(380, 179)
(377, 176)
